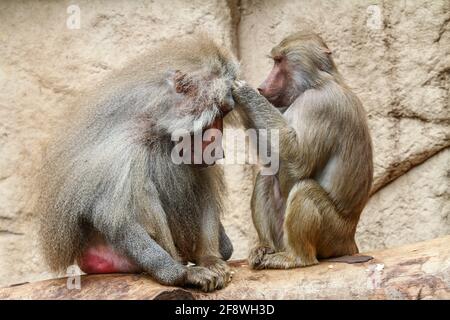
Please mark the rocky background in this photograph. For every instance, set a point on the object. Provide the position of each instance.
(394, 54)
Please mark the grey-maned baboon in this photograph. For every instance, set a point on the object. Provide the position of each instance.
(111, 197)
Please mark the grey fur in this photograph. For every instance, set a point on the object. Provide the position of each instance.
(112, 172)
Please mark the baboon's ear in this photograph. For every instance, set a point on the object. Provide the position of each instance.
(183, 83)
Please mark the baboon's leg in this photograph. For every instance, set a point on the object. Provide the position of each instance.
(267, 214)
(225, 245)
(308, 209)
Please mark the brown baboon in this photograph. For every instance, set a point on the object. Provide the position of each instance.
(311, 207)
(111, 197)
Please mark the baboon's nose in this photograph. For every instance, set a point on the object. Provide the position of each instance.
(262, 89)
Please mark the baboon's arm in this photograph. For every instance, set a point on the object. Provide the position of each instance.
(259, 113)
(135, 242)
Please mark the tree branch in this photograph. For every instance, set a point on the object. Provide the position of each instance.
(416, 271)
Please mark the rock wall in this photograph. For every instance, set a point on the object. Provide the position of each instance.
(395, 55)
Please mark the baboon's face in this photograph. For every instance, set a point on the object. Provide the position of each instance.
(276, 87)
(207, 100)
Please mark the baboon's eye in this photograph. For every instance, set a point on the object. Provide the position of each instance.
(277, 59)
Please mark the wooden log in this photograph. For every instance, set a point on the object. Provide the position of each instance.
(416, 271)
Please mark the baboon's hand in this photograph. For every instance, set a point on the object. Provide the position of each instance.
(242, 92)
(239, 84)
(219, 267)
(204, 279)
(256, 256)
